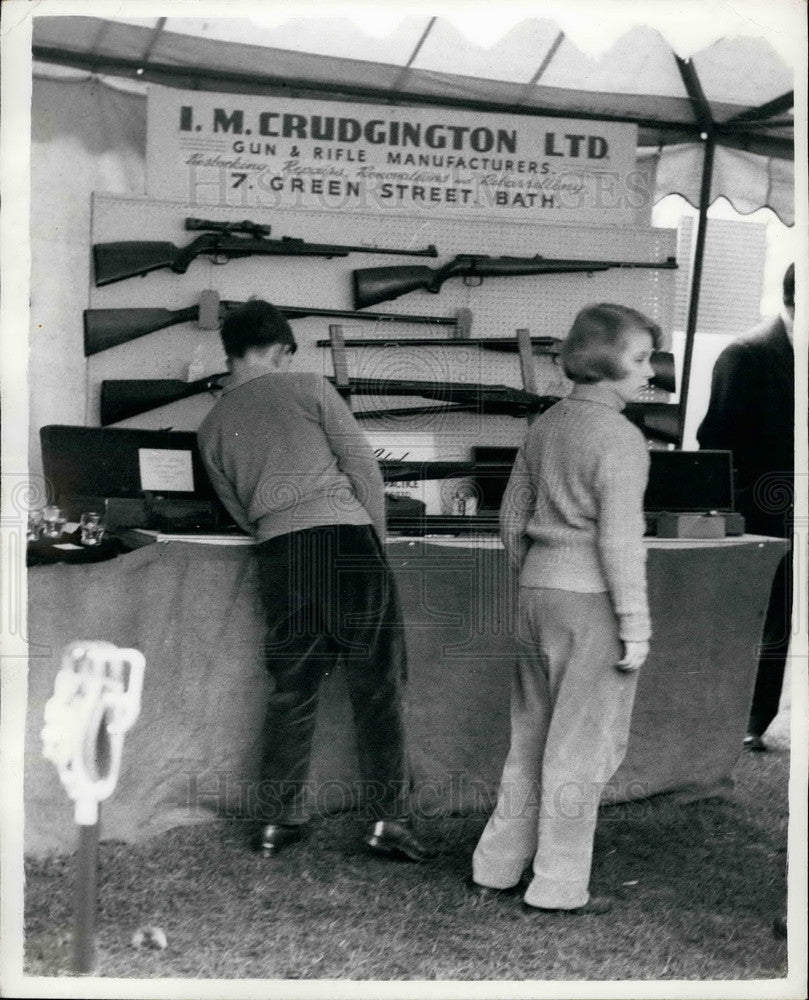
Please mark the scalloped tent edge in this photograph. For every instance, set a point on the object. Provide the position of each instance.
(671, 117)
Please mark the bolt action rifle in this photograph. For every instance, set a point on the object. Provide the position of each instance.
(124, 398)
(106, 328)
(382, 284)
(658, 421)
(221, 241)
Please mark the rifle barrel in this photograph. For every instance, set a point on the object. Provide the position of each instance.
(508, 344)
(441, 390)
(339, 249)
(415, 411)
(428, 251)
(352, 314)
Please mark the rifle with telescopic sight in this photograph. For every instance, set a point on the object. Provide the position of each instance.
(221, 241)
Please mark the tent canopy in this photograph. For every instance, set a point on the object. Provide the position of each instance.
(533, 69)
(717, 124)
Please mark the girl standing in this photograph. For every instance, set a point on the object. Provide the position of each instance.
(572, 524)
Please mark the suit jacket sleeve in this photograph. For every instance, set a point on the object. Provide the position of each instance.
(731, 403)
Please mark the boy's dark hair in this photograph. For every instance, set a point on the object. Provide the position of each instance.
(789, 287)
(255, 324)
(592, 349)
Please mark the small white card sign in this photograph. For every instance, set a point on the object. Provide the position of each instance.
(166, 470)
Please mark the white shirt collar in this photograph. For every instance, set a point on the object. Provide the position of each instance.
(788, 319)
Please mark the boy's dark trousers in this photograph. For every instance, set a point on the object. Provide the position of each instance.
(330, 596)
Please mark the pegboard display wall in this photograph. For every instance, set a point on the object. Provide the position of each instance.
(543, 304)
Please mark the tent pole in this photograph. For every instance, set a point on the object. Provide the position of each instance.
(704, 118)
(696, 277)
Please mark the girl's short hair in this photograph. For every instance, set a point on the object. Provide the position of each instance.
(592, 350)
(255, 323)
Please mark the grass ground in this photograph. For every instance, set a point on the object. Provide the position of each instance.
(698, 888)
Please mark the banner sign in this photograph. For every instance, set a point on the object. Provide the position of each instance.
(279, 152)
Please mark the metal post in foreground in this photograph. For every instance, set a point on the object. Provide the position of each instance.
(96, 700)
(84, 913)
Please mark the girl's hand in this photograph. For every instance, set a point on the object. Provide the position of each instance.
(635, 654)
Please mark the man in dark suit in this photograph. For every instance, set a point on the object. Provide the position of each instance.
(751, 412)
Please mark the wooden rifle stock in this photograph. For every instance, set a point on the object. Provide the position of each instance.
(372, 285)
(123, 397)
(106, 328)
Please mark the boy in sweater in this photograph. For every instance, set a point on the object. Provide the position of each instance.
(293, 467)
(572, 524)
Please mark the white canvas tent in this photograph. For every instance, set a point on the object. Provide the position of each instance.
(717, 124)
(533, 69)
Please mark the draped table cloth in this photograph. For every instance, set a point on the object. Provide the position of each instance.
(193, 610)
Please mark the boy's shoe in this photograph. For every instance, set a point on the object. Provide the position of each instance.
(754, 743)
(274, 837)
(395, 841)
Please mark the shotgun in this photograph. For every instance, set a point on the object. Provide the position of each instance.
(382, 284)
(658, 421)
(662, 361)
(106, 328)
(124, 398)
(221, 241)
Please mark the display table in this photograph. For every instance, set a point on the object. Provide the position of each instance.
(193, 610)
